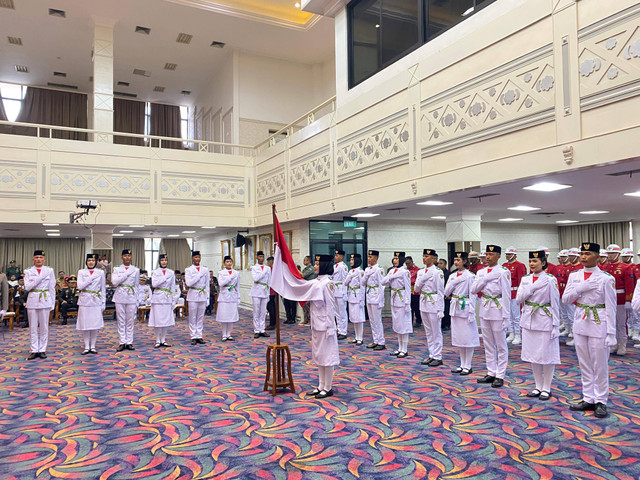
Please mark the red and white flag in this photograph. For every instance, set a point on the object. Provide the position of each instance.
(285, 277)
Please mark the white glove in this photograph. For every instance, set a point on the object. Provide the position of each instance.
(627, 306)
(2, 314)
(407, 308)
(472, 318)
(505, 323)
(495, 274)
(440, 314)
(584, 287)
(555, 333)
(611, 341)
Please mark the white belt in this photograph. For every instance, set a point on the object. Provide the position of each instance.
(620, 290)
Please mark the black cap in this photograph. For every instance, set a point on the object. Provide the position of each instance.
(463, 255)
(540, 254)
(398, 254)
(429, 251)
(92, 255)
(375, 253)
(227, 257)
(195, 252)
(339, 252)
(590, 247)
(259, 252)
(72, 278)
(126, 251)
(493, 249)
(161, 256)
(37, 253)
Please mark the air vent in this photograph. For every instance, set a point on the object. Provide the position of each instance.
(158, 89)
(62, 85)
(626, 173)
(57, 13)
(480, 197)
(218, 44)
(397, 209)
(170, 66)
(14, 40)
(22, 68)
(186, 92)
(7, 4)
(143, 30)
(144, 73)
(184, 38)
(123, 84)
(548, 214)
(59, 74)
(125, 94)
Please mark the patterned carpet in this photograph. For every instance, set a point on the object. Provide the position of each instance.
(200, 412)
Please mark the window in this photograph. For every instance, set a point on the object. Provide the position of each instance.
(184, 124)
(151, 251)
(383, 31)
(12, 96)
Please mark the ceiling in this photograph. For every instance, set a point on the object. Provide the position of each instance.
(53, 44)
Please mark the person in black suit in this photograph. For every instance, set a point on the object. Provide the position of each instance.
(446, 320)
(68, 298)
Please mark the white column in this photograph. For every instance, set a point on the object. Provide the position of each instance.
(102, 112)
(465, 231)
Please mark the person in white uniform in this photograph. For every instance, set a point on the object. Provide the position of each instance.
(161, 317)
(259, 292)
(196, 278)
(430, 284)
(464, 329)
(144, 292)
(494, 282)
(355, 297)
(539, 297)
(126, 279)
(91, 302)
(594, 328)
(339, 276)
(399, 280)
(40, 282)
(374, 294)
(228, 298)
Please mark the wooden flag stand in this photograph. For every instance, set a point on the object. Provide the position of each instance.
(278, 355)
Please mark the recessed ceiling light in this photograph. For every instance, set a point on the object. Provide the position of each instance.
(52, 230)
(546, 187)
(117, 234)
(524, 208)
(297, 5)
(338, 231)
(593, 212)
(365, 215)
(126, 231)
(53, 234)
(509, 219)
(439, 217)
(189, 231)
(50, 224)
(434, 203)
(208, 227)
(136, 226)
(566, 221)
(633, 194)
(173, 235)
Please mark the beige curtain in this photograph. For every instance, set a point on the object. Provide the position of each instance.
(65, 254)
(52, 107)
(601, 233)
(178, 252)
(137, 250)
(165, 122)
(128, 117)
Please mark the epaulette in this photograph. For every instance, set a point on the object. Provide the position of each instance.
(551, 275)
(607, 273)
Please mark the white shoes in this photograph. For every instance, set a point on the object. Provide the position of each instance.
(563, 330)
(517, 340)
(510, 337)
(570, 343)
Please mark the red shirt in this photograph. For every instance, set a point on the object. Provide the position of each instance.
(551, 268)
(517, 270)
(623, 276)
(562, 275)
(473, 268)
(414, 275)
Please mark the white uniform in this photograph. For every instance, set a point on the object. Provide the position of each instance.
(495, 315)
(430, 284)
(197, 281)
(163, 281)
(261, 275)
(92, 299)
(229, 296)
(374, 291)
(144, 295)
(41, 284)
(594, 328)
(127, 283)
(339, 276)
(464, 330)
(355, 295)
(324, 341)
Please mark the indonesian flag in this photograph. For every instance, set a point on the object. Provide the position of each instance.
(285, 277)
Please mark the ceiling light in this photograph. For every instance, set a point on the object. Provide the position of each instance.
(546, 187)
(53, 234)
(126, 231)
(136, 226)
(377, 25)
(593, 212)
(468, 11)
(523, 208)
(208, 227)
(509, 219)
(297, 5)
(439, 217)
(189, 231)
(173, 235)
(434, 203)
(365, 215)
(50, 224)
(566, 221)
(52, 230)
(633, 194)
(338, 231)
(117, 234)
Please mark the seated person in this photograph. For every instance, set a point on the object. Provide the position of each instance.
(110, 305)
(20, 299)
(13, 281)
(68, 298)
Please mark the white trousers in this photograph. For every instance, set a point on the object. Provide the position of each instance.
(566, 313)
(126, 314)
(593, 358)
(431, 324)
(621, 323)
(359, 329)
(496, 351)
(375, 319)
(196, 318)
(259, 313)
(341, 315)
(514, 325)
(39, 326)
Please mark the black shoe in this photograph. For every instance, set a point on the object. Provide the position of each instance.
(402, 354)
(601, 410)
(33, 356)
(325, 394)
(397, 352)
(271, 327)
(224, 339)
(545, 395)
(194, 341)
(372, 345)
(354, 341)
(93, 351)
(497, 383)
(256, 335)
(265, 334)
(231, 339)
(200, 341)
(466, 371)
(358, 342)
(42, 355)
(157, 345)
(583, 407)
(457, 370)
(121, 347)
(436, 362)
(24, 325)
(486, 379)
(379, 347)
(534, 393)
(341, 336)
(426, 361)
(164, 344)
(85, 352)
(313, 393)
(130, 347)
(63, 322)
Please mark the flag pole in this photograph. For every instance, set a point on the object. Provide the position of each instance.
(277, 297)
